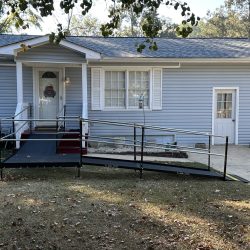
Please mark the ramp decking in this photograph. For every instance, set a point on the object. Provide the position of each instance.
(41, 152)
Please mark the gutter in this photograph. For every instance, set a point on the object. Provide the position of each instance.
(173, 60)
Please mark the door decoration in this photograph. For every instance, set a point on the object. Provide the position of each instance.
(49, 91)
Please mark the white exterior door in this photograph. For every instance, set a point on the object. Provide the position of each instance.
(225, 115)
(48, 96)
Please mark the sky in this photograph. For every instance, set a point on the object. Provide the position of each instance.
(99, 10)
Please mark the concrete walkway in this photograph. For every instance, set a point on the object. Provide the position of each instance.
(238, 160)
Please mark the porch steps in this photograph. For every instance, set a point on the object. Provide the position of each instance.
(64, 147)
(70, 147)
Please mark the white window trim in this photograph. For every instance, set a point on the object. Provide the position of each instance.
(237, 90)
(126, 70)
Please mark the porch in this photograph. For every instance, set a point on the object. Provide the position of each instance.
(45, 93)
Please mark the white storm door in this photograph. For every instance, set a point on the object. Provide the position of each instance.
(225, 115)
(48, 96)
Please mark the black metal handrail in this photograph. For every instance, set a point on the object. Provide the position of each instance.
(134, 143)
(21, 111)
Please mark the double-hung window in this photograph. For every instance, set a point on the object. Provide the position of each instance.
(123, 89)
(138, 86)
(115, 89)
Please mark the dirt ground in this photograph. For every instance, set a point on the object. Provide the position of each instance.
(114, 209)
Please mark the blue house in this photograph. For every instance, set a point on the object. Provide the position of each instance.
(195, 84)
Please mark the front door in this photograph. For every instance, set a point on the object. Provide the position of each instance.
(48, 96)
(225, 115)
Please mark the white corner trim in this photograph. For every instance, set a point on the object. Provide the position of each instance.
(84, 91)
(237, 108)
(19, 82)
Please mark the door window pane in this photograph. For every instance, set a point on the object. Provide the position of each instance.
(224, 105)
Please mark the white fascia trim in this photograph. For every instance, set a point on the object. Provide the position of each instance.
(6, 64)
(129, 68)
(13, 48)
(175, 60)
(48, 62)
(90, 54)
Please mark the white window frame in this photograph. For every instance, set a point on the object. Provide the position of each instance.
(104, 88)
(127, 70)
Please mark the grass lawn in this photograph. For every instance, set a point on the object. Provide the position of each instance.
(114, 209)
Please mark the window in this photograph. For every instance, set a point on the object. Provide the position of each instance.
(119, 88)
(224, 105)
(115, 89)
(49, 74)
(138, 86)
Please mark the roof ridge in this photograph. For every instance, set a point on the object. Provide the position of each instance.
(4, 34)
(172, 38)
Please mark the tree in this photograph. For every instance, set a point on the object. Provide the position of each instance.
(85, 26)
(150, 28)
(242, 7)
(8, 20)
(132, 25)
(168, 28)
(230, 20)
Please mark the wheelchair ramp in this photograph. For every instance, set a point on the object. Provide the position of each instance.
(149, 166)
(40, 152)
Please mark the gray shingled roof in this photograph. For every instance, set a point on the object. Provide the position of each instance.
(168, 48)
(11, 39)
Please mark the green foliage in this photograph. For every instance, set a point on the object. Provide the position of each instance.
(84, 26)
(230, 20)
(18, 19)
(151, 27)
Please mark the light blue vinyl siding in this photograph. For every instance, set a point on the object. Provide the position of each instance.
(51, 53)
(73, 94)
(28, 84)
(7, 93)
(187, 102)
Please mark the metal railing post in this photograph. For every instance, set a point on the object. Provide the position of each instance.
(209, 151)
(30, 115)
(225, 159)
(142, 149)
(0, 128)
(134, 142)
(13, 130)
(80, 140)
(57, 133)
(64, 121)
(1, 164)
